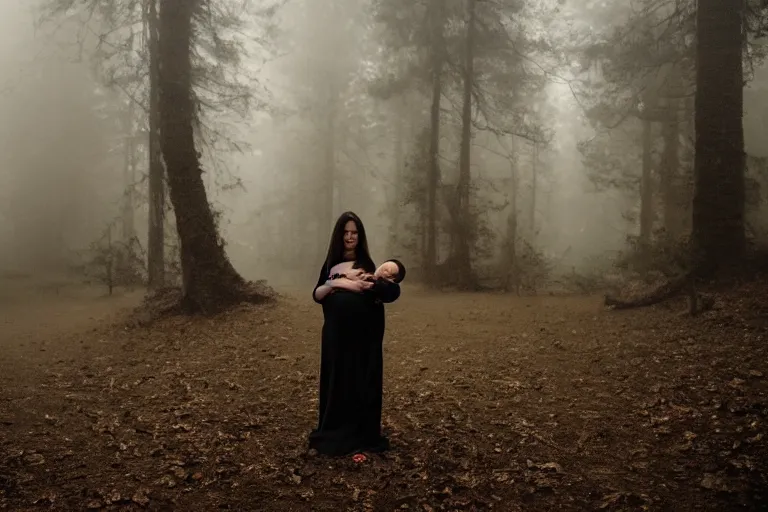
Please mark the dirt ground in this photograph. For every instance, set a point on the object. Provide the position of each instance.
(491, 402)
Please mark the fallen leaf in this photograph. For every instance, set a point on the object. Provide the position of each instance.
(551, 466)
(140, 498)
(114, 497)
(34, 459)
(714, 483)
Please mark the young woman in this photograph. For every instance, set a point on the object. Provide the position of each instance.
(351, 363)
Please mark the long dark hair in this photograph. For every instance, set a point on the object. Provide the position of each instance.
(335, 255)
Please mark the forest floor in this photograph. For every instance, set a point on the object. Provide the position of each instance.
(491, 402)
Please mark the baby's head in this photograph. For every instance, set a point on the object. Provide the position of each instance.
(392, 270)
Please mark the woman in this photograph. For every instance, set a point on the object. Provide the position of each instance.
(351, 356)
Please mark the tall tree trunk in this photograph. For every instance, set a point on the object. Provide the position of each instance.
(646, 187)
(718, 233)
(156, 228)
(330, 158)
(510, 270)
(422, 205)
(129, 176)
(534, 188)
(687, 153)
(462, 261)
(433, 173)
(210, 282)
(670, 171)
(395, 203)
(327, 177)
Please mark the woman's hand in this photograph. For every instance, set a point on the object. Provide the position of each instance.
(361, 286)
(356, 274)
(351, 285)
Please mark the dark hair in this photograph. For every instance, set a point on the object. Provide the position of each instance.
(335, 255)
(400, 270)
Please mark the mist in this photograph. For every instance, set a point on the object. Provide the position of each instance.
(577, 189)
(61, 179)
(316, 126)
(327, 53)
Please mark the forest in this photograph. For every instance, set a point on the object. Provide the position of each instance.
(578, 189)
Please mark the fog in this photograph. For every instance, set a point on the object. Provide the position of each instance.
(60, 177)
(63, 180)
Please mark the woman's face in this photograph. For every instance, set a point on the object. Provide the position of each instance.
(350, 236)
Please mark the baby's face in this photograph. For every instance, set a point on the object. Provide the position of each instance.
(387, 270)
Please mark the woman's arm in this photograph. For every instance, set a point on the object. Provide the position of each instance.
(326, 286)
(322, 288)
(340, 283)
(322, 291)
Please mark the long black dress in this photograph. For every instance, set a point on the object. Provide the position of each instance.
(351, 370)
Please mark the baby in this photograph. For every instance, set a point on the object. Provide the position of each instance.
(391, 270)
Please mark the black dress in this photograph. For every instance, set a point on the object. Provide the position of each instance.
(351, 370)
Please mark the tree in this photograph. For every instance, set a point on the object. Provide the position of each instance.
(663, 41)
(718, 203)
(413, 35)
(210, 282)
(437, 53)
(639, 74)
(120, 37)
(462, 214)
(156, 170)
(320, 138)
(465, 59)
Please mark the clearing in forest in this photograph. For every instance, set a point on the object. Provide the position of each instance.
(491, 402)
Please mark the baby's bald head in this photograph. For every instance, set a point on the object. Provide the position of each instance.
(392, 270)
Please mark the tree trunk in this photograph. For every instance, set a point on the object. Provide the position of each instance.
(325, 191)
(462, 261)
(510, 267)
(210, 282)
(156, 192)
(330, 158)
(129, 176)
(646, 188)
(395, 203)
(109, 263)
(687, 154)
(534, 189)
(670, 172)
(433, 173)
(718, 233)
